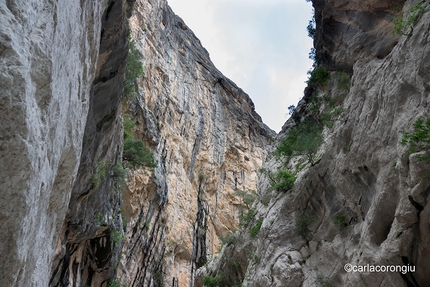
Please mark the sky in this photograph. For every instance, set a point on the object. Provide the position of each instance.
(261, 45)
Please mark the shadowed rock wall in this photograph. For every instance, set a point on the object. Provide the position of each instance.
(89, 246)
(48, 51)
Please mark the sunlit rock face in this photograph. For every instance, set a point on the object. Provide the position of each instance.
(364, 173)
(48, 51)
(208, 141)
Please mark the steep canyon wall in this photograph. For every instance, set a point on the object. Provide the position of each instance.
(365, 200)
(208, 142)
(48, 51)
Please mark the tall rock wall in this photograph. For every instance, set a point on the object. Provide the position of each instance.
(48, 51)
(89, 245)
(366, 196)
(208, 142)
(64, 214)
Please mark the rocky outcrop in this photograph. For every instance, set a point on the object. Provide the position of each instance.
(48, 51)
(367, 197)
(352, 30)
(208, 142)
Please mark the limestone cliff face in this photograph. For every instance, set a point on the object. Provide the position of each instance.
(364, 174)
(208, 141)
(64, 215)
(89, 244)
(48, 51)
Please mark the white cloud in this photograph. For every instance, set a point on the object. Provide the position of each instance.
(261, 45)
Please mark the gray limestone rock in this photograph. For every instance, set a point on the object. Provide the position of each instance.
(364, 173)
(48, 51)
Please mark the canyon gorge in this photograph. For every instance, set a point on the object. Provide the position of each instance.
(129, 159)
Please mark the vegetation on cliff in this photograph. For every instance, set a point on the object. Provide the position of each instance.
(135, 152)
(405, 26)
(134, 70)
(419, 139)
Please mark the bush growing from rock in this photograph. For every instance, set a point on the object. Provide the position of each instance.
(216, 281)
(129, 126)
(304, 139)
(302, 224)
(341, 219)
(406, 26)
(256, 228)
(134, 69)
(419, 139)
(100, 174)
(318, 76)
(283, 180)
(137, 154)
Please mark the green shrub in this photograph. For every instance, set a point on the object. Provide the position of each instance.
(406, 26)
(341, 219)
(302, 224)
(343, 81)
(256, 228)
(117, 237)
(323, 109)
(159, 279)
(116, 283)
(118, 175)
(311, 28)
(265, 200)
(137, 154)
(314, 57)
(125, 220)
(201, 177)
(248, 197)
(250, 216)
(327, 118)
(304, 139)
(134, 69)
(291, 109)
(318, 76)
(283, 180)
(99, 219)
(129, 126)
(253, 257)
(99, 175)
(217, 281)
(419, 139)
(118, 172)
(228, 239)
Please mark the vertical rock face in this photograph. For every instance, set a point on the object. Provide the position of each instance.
(48, 51)
(367, 196)
(61, 147)
(89, 245)
(208, 141)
